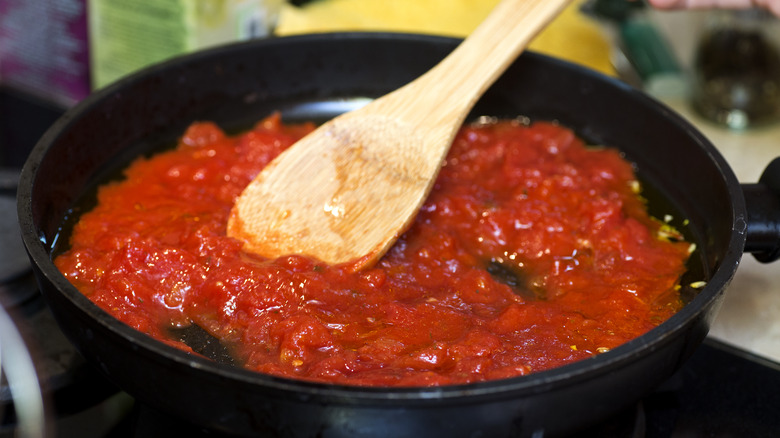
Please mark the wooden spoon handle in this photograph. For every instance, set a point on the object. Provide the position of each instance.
(462, 77)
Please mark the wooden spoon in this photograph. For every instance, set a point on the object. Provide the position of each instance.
(348, 190)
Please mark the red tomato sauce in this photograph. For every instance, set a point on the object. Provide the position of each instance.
(590, 270)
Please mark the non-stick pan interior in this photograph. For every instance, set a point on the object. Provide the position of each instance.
(316, 77)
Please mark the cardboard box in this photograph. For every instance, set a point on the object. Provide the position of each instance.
(128, 35)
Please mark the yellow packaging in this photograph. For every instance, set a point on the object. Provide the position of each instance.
(571, 36)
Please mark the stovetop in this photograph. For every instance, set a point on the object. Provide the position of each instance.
(721, 391)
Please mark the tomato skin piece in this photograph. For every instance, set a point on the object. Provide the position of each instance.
(564, 219)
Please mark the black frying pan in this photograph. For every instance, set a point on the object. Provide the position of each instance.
(315, 77)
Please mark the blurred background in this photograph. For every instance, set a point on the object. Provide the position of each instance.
(718, 69)
(723, 65)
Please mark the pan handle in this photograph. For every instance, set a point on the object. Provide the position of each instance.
(762, 201)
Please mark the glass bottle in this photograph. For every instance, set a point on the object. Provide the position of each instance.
(736, 77)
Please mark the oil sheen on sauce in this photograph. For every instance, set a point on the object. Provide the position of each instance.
(532, 251)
